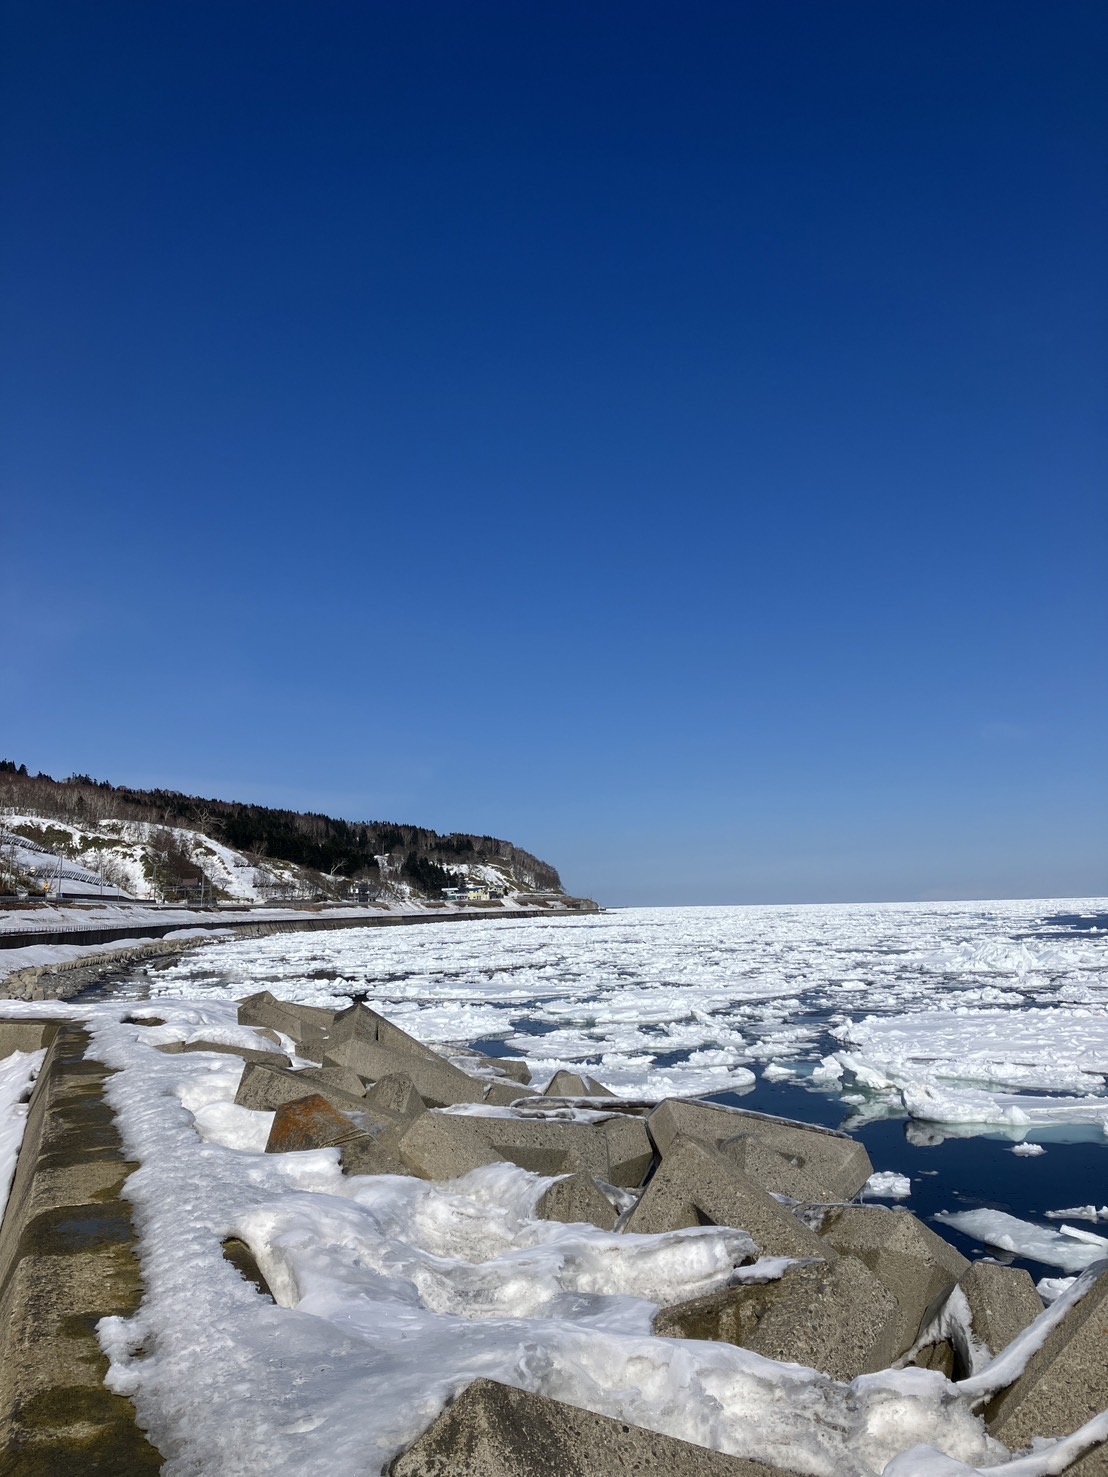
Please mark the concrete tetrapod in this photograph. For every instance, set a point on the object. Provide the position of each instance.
(503, 1079)
(244, 1053)
(437, 1146)
(313, 1123)
(1065, 1383)
(436, 1081)
(615, 1149)
(836, 1317)
(571, 1084)
(695, 1186)
(515, 1069)
(1002, 1302)
(265, 1087)
(367, 1153)
(630, 1152)
(308, 1123)
(502, 1094)
(344, 1078)
(396, 1094)
(983, 1314)
(308, 1025)
(796, 1159)
(359, 1023)
(576, 1198)
(494, 1430)
(776, 1170)
(501, 1068)
(919, 1268)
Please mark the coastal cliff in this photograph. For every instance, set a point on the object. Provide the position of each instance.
(88, 836)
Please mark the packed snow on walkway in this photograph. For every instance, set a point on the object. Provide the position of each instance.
(391, 1294)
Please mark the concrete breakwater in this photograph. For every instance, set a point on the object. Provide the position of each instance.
(75, 934)
(63, 981)
(861, 1288)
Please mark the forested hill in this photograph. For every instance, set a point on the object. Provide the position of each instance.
(338, 848)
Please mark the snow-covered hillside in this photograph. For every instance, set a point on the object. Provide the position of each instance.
(136, 859)
(139, 860)
(163, 844)
(33, 865)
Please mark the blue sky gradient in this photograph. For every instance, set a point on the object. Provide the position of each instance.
(670, 437)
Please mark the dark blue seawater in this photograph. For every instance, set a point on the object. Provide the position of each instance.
(962, 1173)
(1069, 923)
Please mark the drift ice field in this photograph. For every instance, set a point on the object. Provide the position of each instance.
(960, 1014)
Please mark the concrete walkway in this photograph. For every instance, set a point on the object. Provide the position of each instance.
(66, 1261)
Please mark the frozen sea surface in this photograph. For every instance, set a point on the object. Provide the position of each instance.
(954, 1014)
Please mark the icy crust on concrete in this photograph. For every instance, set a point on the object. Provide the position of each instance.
(661, 1002)
(17, 1072)
(1006, 1367)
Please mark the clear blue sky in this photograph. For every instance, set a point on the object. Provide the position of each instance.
(670, 436)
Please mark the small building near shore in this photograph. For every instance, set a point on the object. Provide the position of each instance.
(476, 892)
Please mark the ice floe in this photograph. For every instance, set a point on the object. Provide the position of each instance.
(943, 1063)
(887, 1185)
(1068, 1247)
(1079, 1213)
